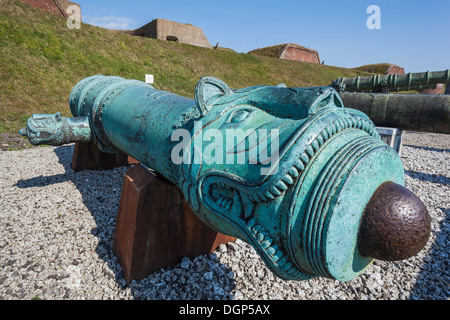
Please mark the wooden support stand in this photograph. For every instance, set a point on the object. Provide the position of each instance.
(87, 156)
(155, 226)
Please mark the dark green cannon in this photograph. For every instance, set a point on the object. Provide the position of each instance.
(392, 82)
(413, 112)
(304, 180)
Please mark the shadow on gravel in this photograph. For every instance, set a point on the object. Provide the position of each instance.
(433, 281)
(435, 178)
(202, 278)
(427, 148)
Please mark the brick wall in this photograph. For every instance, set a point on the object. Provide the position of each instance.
(54, 6)
(299, 53)
(46, 5)
(393, 69)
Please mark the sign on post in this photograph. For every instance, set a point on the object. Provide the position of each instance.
(149, 78)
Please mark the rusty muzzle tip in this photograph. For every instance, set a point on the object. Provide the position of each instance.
(395, 224)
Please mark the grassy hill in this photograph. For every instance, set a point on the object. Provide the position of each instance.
(377, 68)
(41, 60)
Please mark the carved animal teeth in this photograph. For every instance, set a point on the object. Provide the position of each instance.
(255, 229)
(320, 140)
(315, 145)
(224, 201)
(304, 157)
(266, 243)
(270, 251)
(281, 186)
(260, 237)
(269, 195)
(275, 191)
(278, 254)
(224, 185)
(288, 179)
(262, 197)
(299, 165)
(274, 248)
(293, 172)
(333, 128)
(364, 125)
(349, 122)
(309, 150)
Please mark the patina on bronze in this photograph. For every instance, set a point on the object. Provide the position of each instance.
(395, 224)
(392, 82)
(308, 166)
(412, 112)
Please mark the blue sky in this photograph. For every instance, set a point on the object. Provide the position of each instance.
(414, 34)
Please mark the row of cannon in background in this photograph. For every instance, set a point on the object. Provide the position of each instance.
(412, 112)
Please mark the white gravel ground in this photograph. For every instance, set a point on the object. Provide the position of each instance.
(57, 226)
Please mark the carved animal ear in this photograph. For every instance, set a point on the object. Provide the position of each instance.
(208, 91)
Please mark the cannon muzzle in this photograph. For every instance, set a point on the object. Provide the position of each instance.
(304, 180)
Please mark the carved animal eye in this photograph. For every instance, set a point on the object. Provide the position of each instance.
(239, 115)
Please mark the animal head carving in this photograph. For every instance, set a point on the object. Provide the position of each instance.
(54, 130)
(274, 166)
(45, 129)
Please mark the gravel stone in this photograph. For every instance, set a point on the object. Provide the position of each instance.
(185, 263)
(57, 228)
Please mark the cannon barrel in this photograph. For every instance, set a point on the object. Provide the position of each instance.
(304, 180)
(397, 82)
(412, 112)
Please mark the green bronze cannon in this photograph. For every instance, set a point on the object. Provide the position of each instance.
(390, 82)
(304, 180)
(413, 112)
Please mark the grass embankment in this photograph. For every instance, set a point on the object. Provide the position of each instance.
(41, 60)
(377, 68)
